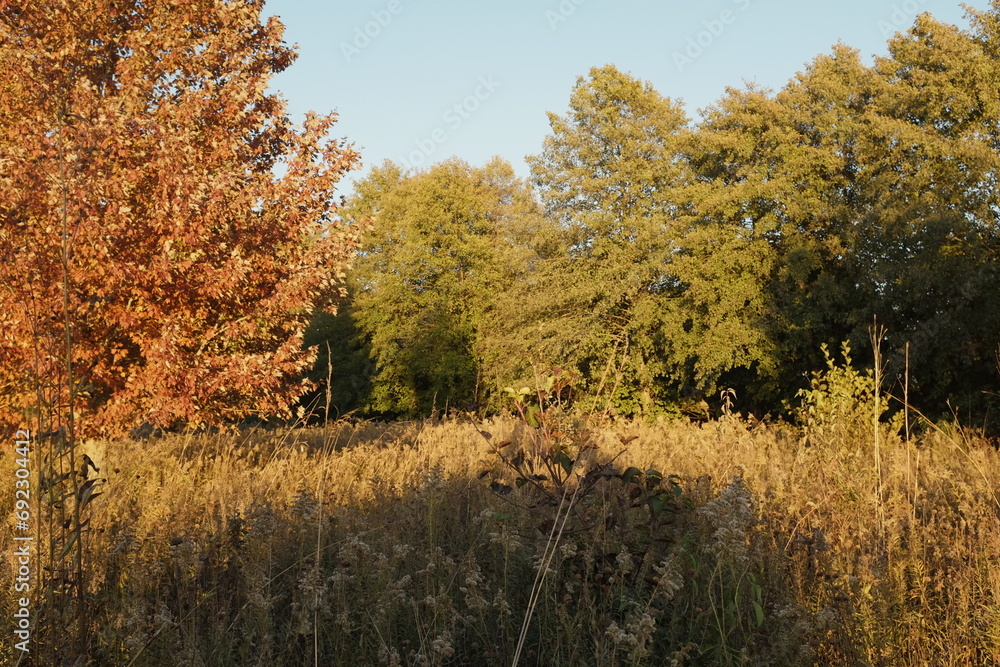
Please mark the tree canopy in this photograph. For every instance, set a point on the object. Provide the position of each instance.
(674, 258)
(140, 151)
(163, 219)
(441, 243)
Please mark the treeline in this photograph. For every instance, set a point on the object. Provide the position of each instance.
(655, 260)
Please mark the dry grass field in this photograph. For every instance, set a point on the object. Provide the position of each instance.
(720, 543)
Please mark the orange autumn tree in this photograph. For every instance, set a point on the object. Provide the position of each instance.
(141, 151)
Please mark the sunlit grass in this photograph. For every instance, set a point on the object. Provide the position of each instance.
(385, 544)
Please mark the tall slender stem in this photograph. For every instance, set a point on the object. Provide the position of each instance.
(877, 335)
(81, 617)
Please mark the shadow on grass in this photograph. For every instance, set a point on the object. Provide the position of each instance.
(416, 544)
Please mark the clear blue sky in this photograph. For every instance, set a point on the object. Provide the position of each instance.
(416, 81)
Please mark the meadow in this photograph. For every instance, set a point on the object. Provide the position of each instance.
(725, 542)
(178, 252)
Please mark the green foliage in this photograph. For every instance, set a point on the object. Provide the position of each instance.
(344, 358)
(440, 245)
(863, 191)
(839, 405)
(610, 176)
(671, 259)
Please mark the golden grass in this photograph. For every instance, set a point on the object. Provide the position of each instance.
(374, 544)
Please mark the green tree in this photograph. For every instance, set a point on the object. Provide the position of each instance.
(656, 295)
(344, 369)
(932, 241)
(442, 243)
(609, 175)
(777, 179)
(874, 190)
